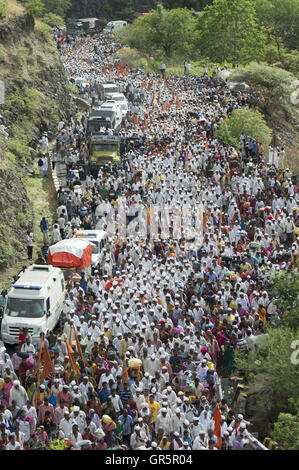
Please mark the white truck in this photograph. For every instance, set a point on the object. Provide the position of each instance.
(121, 100)
(114, 25)
(113, 106)
(35, 302)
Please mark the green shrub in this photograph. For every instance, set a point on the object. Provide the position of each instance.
(273, 84)
(53, 20)
(18, 147)
(3, 9)
(35, 8)
(45, 32)
(246, 122)
(131, 57)
(3, 54)
(286, 431)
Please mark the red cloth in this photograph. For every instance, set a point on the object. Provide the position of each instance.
(217, 429)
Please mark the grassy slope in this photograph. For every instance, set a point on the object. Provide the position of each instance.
(35, 93)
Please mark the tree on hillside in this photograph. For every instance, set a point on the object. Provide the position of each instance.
(281, 18)
(162, 33)
(246, 122)
(35, 8)
(286, 431)
(285, 290)
(228, 31)
(40, 8)
(272, 364)
(58, 7)
(196, 5)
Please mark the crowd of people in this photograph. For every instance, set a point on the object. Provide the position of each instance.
(137, 358)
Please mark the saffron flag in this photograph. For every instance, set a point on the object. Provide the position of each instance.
(217, 427)
(70, 354)
(47, 363)
(124, 374)
(232, 223)
(79, 348)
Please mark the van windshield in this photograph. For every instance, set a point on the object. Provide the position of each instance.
(104, 147)
(25, 308)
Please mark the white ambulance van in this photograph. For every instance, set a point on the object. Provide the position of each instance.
(99, 239)
(35, 302)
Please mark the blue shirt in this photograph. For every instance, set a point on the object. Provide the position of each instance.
(44, 225)
(128, 424)
(103, 395)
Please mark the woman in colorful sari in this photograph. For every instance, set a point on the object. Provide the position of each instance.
(8, 383)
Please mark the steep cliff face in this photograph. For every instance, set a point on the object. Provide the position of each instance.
(36, 97)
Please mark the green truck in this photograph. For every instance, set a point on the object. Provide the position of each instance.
(104, 151)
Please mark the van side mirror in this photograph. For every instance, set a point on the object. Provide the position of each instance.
(48, 314)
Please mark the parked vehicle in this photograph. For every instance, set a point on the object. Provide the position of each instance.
(103, 150)
(122, 100)
(35, 302)
(114, 25)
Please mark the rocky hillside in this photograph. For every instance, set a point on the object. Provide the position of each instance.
(36, 97)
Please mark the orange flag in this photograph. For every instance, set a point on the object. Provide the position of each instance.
(124, 373)
(153, 98)
(172, 94)
(177, 103)
(79, 348)
(47, 363)
(232, 223)
(204, 221)
(165, 127)
(70, 354)
(217, 427)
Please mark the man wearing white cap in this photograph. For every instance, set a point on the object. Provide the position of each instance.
(177, 442)
(195, 428)
(201, 370)
(151, 364)
(163, 421)
(138, 438)
(79, 417)
(66, 425)
(171, 396)
(199, 441)
(84, 386)
(144, 427)
(177, 421)
(94, 330)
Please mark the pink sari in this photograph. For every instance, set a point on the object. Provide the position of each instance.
(6, 393)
